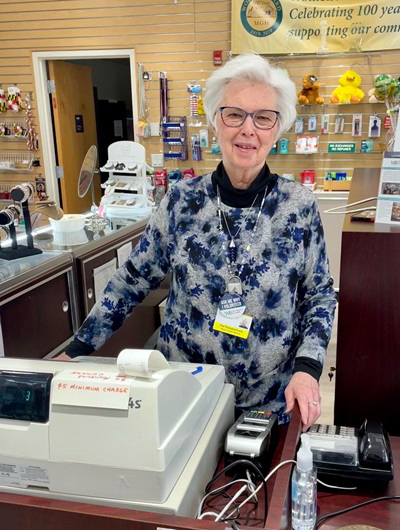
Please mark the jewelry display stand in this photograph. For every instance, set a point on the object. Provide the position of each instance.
(127, 187)
(21, 194)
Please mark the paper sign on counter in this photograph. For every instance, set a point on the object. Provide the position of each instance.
(102, 275)
(141, 363)
(81, 388)
(123, 253)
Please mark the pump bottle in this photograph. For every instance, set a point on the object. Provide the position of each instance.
(304, 488)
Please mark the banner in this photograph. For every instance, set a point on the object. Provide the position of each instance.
(314, 26)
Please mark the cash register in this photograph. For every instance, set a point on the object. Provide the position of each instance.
(84, 431)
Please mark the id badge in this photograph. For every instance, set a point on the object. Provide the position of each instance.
(230, 317)
(238, 326)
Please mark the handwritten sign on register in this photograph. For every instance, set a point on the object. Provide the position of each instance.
(81, 388)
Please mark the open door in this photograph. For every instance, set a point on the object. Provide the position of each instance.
(75, 129)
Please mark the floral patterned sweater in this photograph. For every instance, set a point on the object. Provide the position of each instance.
(287, 287)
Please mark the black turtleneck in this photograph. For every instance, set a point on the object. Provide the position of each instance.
(236, 198)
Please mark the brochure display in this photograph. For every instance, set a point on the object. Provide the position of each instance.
(388, 207)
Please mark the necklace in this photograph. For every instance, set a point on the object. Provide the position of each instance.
(235, 283)
(232, 248)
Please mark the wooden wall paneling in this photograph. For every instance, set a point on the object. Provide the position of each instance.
(179, 39)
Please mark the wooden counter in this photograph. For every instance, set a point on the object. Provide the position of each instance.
(34, 513)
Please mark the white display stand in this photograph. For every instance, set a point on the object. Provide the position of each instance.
(128, 192)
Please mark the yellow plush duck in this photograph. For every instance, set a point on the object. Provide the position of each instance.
(348, 91)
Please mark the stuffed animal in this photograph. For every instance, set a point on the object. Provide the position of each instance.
(348, 91)
(386, 89)
(310, 91)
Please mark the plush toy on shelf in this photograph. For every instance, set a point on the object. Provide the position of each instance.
(310, 91)
(348, 91)
(382, 88)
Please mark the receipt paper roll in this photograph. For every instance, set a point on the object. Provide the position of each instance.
(141, 363)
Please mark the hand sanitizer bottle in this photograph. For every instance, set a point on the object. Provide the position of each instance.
(304, 488)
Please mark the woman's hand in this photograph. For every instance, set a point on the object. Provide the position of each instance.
(305, 390)
(62, 357)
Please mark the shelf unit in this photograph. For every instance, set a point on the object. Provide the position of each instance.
(127, 191)
(22, 162)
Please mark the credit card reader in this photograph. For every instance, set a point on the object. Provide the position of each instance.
(253, 437)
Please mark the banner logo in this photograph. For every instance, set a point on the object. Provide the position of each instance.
(260, 18)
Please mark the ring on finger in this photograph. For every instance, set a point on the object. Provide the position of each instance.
(315, 403)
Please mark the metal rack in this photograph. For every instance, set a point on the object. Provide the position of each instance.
(20, 162)
(174, 135)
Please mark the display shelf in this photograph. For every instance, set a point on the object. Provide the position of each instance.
(9, 137)
(337, 105)
(337, 185)
(16, 170)
(138, 169)
(124, 183)
(126, 192)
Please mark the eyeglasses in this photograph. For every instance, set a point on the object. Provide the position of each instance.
(235, 117)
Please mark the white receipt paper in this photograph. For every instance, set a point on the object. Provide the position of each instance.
(141, 363)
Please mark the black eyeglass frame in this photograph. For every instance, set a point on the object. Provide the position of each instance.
(276, 112)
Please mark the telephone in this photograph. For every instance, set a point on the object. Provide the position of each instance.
(352, 457)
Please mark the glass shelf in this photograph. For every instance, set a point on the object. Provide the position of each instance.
(15, 170)
(11, 137)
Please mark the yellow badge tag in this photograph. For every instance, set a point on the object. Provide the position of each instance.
(238, 327)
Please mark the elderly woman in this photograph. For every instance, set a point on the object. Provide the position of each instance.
(250, 288)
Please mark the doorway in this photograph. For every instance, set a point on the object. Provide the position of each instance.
(113, 120)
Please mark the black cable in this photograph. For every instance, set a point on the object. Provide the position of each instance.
(247, 463)
(235, 525)
(345, 510)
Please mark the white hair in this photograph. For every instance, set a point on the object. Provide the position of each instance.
(252, 68)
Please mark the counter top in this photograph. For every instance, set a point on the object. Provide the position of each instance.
(84, 240)
(31, 268)
(364, 185)
(58, 250)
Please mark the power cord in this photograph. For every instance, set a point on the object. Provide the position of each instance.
(264, 482)
(337, 209)
(242, 462)
(218, 491)
(323, 518)
(336, 487)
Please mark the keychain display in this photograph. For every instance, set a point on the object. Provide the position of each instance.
(215, 149)
(312, 123)
(339, 124)
(200, 106)
(284, 146)
(143, 128)
(196, 149)
(325, 124)
(31, 135)
(3, 102)
(356, 127)
(203, 138)
(195, 104)
(14, 100)
(299, 126)
(374, 129)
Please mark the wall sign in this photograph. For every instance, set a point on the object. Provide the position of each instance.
(290, 26)
(342, 147)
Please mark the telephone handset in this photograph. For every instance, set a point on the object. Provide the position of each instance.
(374, 448)
(348, 456)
